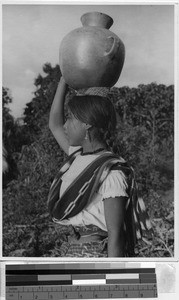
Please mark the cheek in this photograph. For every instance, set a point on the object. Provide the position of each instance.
(75, 131)
(78, 130)
(69, 125)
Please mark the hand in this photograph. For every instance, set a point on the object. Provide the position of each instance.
(62, 81)
(62, 85)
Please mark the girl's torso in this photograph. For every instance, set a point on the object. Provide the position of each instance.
(113, 186)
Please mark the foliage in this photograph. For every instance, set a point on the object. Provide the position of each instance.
(145, 133)
(27, 195)
(14, 136)
(144, 137)
(36, 110)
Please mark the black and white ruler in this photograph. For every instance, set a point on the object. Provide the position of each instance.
(80, 281)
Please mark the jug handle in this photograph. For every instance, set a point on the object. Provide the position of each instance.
(112, 51)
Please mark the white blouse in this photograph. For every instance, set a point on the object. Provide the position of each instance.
(113, 186)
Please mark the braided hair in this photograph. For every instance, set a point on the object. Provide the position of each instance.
(97, 111)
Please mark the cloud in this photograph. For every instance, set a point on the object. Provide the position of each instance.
(29, 73)
(21, 96)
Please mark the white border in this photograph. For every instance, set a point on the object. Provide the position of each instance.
(1, 136)
(30, 260)
(134, 259)
(176, 154)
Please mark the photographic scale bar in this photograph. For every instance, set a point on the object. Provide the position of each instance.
(79, 281)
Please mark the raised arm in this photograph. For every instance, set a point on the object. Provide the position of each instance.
(56, 120)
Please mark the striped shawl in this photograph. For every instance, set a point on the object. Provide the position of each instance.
(80, 193)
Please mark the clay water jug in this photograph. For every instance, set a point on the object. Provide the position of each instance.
(92, 55)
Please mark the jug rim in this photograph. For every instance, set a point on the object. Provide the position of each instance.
(95, 18)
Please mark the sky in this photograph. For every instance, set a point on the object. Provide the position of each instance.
(32, 33)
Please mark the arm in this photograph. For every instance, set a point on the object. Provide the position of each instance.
(56, 120)
(114, 214)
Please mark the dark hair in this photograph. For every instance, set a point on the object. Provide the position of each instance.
(97, 111)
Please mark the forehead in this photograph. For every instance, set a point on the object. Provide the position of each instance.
(73, 117)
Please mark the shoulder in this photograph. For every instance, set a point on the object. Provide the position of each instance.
(115, 185)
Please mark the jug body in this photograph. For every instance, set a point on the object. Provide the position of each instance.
(92, 55)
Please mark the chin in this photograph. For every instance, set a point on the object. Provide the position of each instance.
(75, 144)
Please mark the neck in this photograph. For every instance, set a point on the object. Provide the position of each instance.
(92, 146)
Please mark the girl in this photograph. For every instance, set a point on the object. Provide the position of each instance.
(91, 195)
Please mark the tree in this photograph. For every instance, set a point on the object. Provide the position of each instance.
(8, 120)
(8, 130)
(14, 137)
(145, 133)
(36, 110)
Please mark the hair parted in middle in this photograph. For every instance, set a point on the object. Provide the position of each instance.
(97, 111)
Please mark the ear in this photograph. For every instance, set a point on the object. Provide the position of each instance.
(87, 126)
